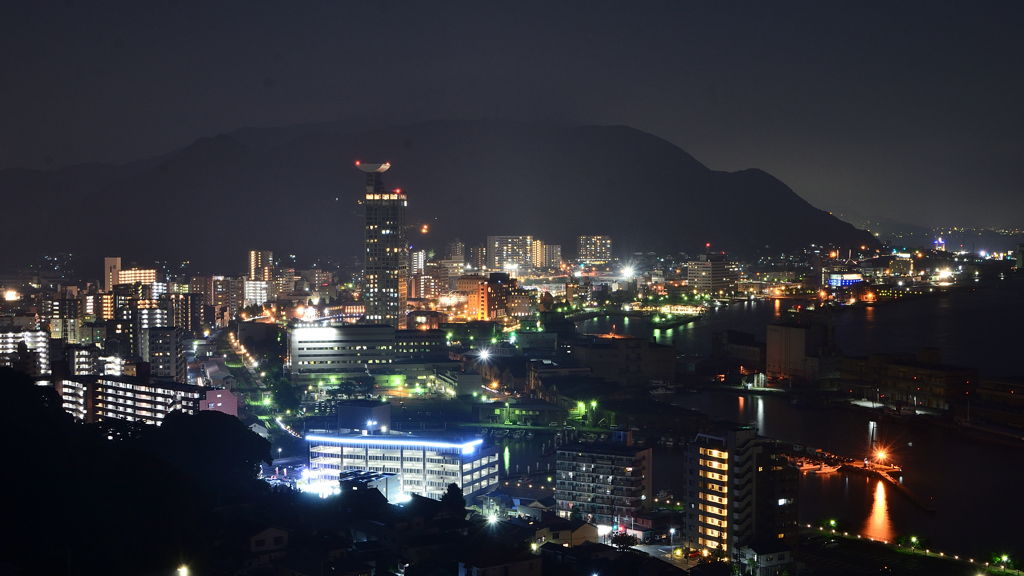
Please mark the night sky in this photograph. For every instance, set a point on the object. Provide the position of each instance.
(911, 111)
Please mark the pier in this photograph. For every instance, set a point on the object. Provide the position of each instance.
(884, 474)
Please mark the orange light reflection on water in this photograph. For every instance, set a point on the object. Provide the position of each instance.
(878, 525)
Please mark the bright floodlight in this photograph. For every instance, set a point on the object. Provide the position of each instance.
(373, 167)
(628, 272)
(492, 518)
(484, 354)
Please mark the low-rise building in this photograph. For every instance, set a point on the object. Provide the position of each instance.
(904, 380)
(426, 466)
(520, 411)
(625, 359)
(97, 398)
(220, 401)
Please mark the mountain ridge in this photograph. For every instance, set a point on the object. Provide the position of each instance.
(213, 200)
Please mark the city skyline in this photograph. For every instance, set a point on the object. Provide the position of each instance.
(530, 288)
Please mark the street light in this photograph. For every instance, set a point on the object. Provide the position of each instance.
(671, 536)
(279, 453)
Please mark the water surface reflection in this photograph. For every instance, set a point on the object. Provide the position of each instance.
(877, 525)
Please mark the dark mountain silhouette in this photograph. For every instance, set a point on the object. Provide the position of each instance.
(296, 191)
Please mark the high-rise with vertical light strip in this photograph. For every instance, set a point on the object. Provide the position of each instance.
(261, 265)
(386, 268)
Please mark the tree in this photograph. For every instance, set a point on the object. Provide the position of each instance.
(717, 554)
(624, 541)
(454, 500)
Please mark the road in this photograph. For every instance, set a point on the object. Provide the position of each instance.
(664, 553)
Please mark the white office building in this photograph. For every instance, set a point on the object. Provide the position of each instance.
(425, 466)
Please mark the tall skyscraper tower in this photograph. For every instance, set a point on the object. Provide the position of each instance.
(261, 264)
(386, 268)
(112, 267)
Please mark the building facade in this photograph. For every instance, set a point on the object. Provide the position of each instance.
(261, 265)
(97, 398)
(111, 271)
(385, 271)
(135, 275)
(801, 350)
(741, 491)
(164, 349)
(321, 353)
(720, 468)
(424, 466)
(625, 359)
(594, 249)
(28, 350)
(509, 253)
(604, 484)
(712, 274)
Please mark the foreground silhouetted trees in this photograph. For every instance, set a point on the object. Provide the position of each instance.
(115, 497)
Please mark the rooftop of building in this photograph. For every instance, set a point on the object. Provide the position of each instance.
(138, 381)
(439, 441)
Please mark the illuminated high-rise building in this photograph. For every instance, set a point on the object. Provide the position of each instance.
(136, 275)
(509, 253)
(552, 256)
(417, 262)
(595, 249)
(112, 267)
(386, 267)
(261, 264)
(455, 250)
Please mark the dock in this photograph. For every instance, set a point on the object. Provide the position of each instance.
(886, 477)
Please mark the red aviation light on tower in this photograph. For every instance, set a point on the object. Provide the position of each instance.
(357, 162)
(398, 190)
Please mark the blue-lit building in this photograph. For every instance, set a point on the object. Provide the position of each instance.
(425, 466)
